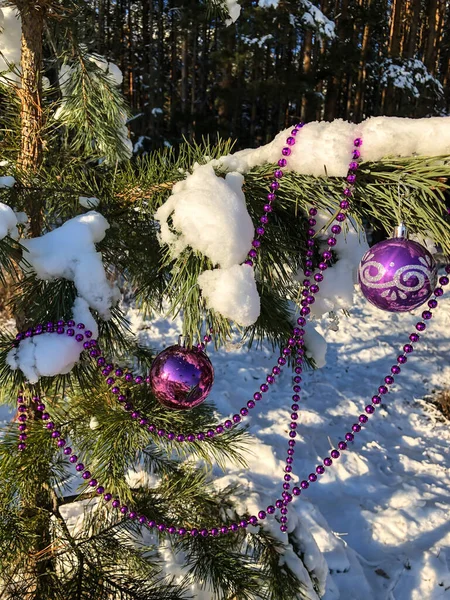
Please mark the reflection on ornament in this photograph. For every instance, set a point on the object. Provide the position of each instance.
(397, 275)
(181, 378)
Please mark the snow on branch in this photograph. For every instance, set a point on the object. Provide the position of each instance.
(67, 252)
(8, 222)
(410, 75)
(325, 149)
(314, 18)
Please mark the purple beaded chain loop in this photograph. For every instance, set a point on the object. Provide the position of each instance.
(294, 346)
(281, 503)
(108, 369)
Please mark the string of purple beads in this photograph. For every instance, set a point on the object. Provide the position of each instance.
(296, 342)
(287, 498)
(310, 289)
(107, 369)
(271, 196)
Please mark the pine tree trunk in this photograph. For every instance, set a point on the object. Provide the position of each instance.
(395, 28)
(307, 67)
(31, 89)
(37, 506)
(31, 152)
(173, 74)
(184, 78)
(429, 56)
(101, 26)
(413, 28)
(394, 52)
(193, 108)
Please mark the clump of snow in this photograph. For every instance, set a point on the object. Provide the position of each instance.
(326, 148)
(48, 354)
(69, 252)
(257, 41)
(232, 293)
(425, 240)
(10, 41)
(338, 287)
(125, 137)
(7, 182)
(88, 202)
(209, 214)
(409, 74)
(314, 18)
(234, 10)
(108, 67)
(316, 345)
(8, 222)
(93, 423)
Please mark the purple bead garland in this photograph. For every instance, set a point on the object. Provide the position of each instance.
(294, 346)
(107, 369)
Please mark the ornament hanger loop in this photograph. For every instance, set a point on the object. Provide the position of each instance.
(401, 231)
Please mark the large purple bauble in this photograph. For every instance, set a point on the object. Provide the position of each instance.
(397, 275)
(181, 378)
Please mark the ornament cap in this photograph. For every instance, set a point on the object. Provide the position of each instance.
(400, 231)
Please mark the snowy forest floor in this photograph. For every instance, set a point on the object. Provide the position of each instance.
(381, 515)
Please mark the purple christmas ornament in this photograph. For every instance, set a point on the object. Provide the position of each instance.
(397, 275)
(181, 378)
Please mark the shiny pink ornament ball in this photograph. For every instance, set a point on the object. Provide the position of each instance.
(181, 378)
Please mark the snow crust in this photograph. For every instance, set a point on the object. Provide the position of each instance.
(232, 292)
(209, 214)
(324, 148)
(8, 222)
(376, 525)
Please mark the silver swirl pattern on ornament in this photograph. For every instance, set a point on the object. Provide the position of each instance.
(397, 284)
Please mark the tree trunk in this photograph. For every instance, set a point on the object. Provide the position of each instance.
(31, 152)
(194, 61)
(307, 68)
(31, 88)
(101, 26)
(430, 46)
(410, 49)
(173, 74)
(184, 79)
(37, 506)
(388, 97)
(395, 28)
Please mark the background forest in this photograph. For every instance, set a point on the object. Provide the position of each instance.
(186, 74)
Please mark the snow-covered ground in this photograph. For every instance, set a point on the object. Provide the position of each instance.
(387, 499)
(381, 515)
